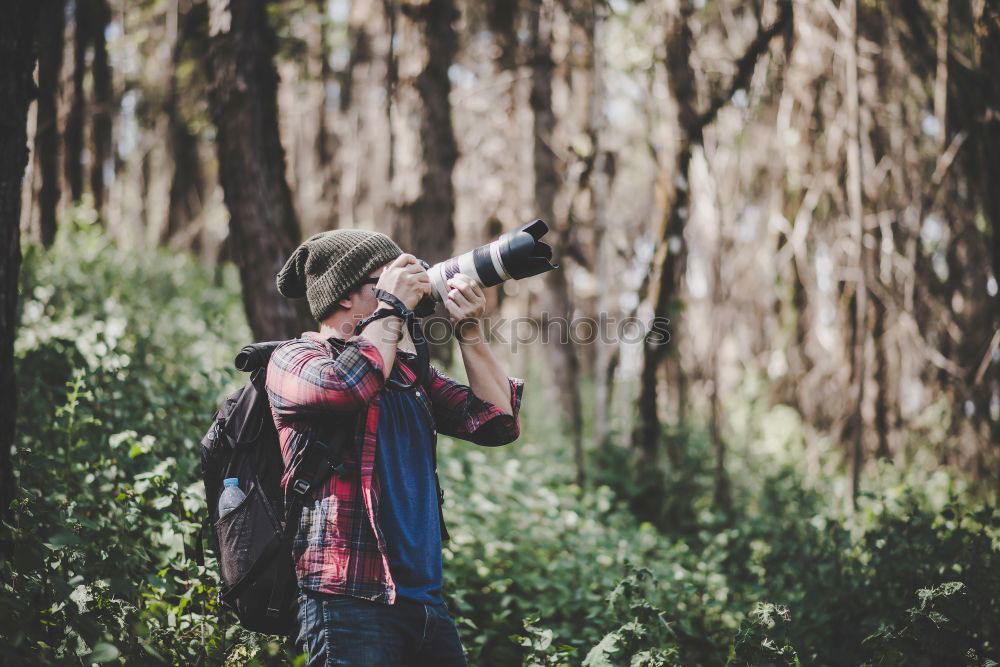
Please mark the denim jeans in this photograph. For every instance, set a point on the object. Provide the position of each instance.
(342, 630)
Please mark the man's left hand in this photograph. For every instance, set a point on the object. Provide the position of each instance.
(466, 301)
(466, 304)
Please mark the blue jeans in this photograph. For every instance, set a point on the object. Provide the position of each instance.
(342, 630)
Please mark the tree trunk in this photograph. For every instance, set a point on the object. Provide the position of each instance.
(103, 107)
(880, 375)
(502, 19)
(556, 302)
(721, 496)
(90, 20)
(52, 24)
(853, 184)
(73, 149)
(17, 64)
(988, 130)
(671, 253)
(424, 148)
(578, 224)
(187, 185)
(364, 102)
(607, 301)
(327, 140)
(263, 230)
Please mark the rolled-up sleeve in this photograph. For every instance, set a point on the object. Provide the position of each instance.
(303, 378)
(461, 414)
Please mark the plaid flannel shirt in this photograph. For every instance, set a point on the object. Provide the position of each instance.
(340, 547)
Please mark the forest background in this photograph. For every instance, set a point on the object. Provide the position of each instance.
(807, 191)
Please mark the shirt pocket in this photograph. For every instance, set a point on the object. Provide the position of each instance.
(331, 521)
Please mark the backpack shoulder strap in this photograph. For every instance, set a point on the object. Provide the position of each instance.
(312, 466)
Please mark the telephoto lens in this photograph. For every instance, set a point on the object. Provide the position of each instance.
(515, 255)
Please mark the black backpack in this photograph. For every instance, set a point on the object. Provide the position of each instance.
(253, 542)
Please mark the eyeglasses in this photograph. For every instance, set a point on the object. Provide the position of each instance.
(369, 281)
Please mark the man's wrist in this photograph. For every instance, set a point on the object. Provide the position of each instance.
(392, 301)
(468, 332)
(383, 315)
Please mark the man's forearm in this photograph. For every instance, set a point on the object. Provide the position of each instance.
(384, 335)
(487, 379)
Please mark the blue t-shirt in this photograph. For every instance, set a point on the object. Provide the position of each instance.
(408, 502)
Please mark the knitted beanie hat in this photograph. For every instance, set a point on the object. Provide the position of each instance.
(328, 265)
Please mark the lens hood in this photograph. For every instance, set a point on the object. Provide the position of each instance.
(523, 253)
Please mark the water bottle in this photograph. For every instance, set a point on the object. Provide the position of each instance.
(231, 496)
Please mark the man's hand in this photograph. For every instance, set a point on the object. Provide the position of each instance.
(406, 280)
(466, 304)
(465, 300)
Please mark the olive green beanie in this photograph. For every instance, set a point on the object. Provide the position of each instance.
(328, 265)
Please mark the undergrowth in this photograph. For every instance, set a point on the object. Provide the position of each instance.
(122, 356)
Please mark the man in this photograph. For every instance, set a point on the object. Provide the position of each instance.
(368, 551)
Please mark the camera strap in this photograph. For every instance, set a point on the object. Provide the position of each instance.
(399, 309)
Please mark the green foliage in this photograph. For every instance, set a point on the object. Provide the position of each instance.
(539, 649)
(935, 632)
(644, 637)
(122, 358)
(763, 638)
(120, 361)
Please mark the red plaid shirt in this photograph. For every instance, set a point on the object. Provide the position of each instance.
(340, 548)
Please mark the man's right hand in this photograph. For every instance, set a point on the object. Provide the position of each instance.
(406, 280)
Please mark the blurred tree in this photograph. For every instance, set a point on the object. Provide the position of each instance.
(52, 24)
(424, 150)
(422, 139)
(502, 18)
(73, 152)
(986, 379)
(721, 494)
(950, 51)
(608, 296)
(187, 186)
(263, 229)
(327, 141)
(90, 53)
(365, 103)
(669, 262)
(667, 271)
(557, 307)
(855, 205)
(17, 64)
(102, 163)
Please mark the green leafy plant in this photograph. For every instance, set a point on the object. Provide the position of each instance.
(644, 638)
(539, 650)
(763, 639)
(934, 632)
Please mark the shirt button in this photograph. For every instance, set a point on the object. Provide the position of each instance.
(418, 393)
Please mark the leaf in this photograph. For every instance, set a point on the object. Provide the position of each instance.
(600, 655)
(162, 502)
(937, 618)
(63, 538)
(103, 652)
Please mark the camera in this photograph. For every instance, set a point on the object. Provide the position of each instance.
(515, 255)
